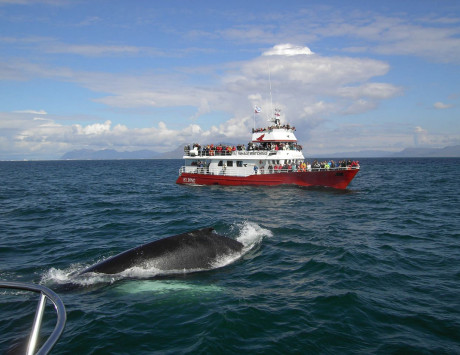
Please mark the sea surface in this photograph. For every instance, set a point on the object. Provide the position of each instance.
(373, 269)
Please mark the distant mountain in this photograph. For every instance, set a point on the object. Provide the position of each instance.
(108, 154)
(447, 152)
(177, 153)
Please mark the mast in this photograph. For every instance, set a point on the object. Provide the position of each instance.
(270, 83)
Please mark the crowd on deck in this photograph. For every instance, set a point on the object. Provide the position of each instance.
(222, 149)
(306, 166)
(302, 166)
(265, 129)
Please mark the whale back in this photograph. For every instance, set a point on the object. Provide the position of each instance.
(198, 249)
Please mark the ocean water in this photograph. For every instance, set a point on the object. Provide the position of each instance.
(371, 269)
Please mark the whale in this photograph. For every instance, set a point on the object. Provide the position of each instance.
(196, 250)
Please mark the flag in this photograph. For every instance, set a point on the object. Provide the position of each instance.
(257, 109)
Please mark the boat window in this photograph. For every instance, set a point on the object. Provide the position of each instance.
(230, 163)
(220, 163)
(239, 163)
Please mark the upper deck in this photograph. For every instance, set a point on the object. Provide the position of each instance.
(276, 133)
(276, 140)
(253, 151)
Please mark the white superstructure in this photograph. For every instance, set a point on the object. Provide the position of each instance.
(271, 149)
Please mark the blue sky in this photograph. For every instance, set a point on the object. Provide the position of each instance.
(131, 75)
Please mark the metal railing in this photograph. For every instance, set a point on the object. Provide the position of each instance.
(45, 293)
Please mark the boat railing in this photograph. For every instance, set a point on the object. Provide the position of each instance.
(45, 294)
(232, 171)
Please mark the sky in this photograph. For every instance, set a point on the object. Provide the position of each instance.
(133, 75)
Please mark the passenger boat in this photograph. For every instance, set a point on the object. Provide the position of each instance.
(272, 157)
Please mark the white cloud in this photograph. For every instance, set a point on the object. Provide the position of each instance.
(400, 36)
(94, 129)
(436, 38)
(378, 91)
(35, 112)
(420, 136)
(288, 50)
(308, 88)
(359, 106)
(350, 138)
(441, 106)
(382, 136)
(92, 50)
(315, 109)
(53, 138)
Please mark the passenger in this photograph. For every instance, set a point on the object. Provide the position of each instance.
(294, 168)
(308, 167)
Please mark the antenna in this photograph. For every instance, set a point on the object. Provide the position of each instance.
(270, 81)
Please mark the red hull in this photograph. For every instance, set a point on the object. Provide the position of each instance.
(338, 179)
